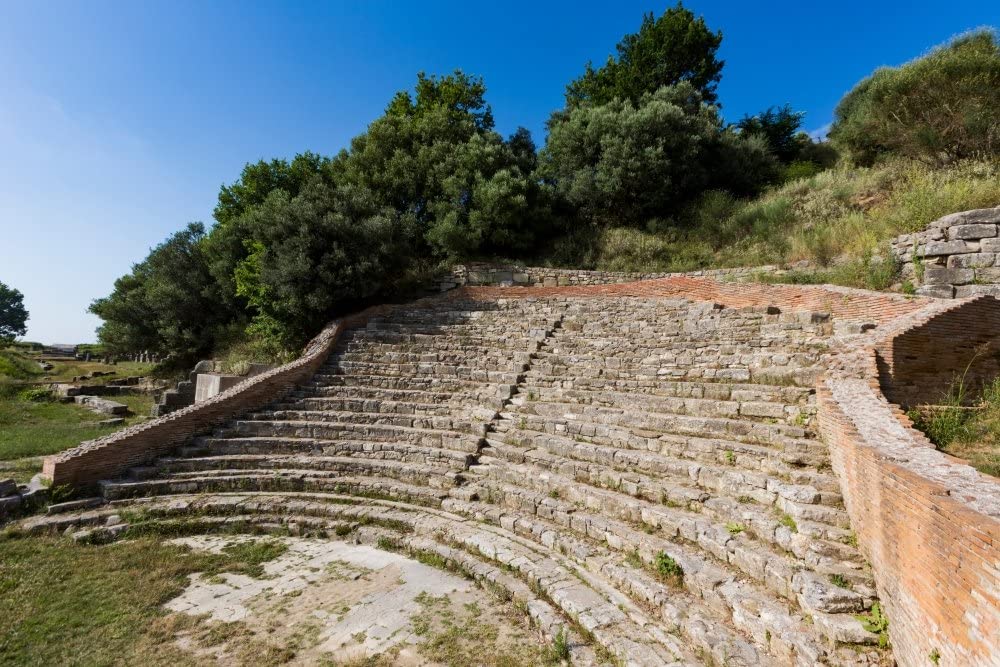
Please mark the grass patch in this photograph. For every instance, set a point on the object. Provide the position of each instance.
(839, 221)
(967, 432)
(668, 569)
(63, 603)
(42, 427)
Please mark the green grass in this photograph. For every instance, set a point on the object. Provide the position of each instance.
(39, 428)
(968, 432)
(839, 221)
(63, 603)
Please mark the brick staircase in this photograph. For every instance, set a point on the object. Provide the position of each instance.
(642, 470)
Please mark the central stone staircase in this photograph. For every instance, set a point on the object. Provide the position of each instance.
(641, 471)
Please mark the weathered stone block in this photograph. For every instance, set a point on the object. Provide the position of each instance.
(937, 291)
(936, 275)
(7, 487)
(977, 290)
(945, 248)
(978, 231)
(990, 245)
(988, 275)
(971, 260)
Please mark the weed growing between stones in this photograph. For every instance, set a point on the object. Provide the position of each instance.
(876, 622)
(668, 569)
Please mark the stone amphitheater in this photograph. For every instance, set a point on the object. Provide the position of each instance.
(681, 470)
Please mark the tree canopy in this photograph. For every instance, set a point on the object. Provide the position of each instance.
(940, 108)
(13, 314)
(674, 48)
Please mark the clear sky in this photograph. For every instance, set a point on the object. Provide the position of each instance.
(119, 121)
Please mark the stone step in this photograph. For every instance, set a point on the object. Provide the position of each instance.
(369, 487)
(492, 357)
(589, 421)
(760, 411)
(709, 562)
(312, 466)
(446, 422)
(746, 546)
(389, 343)
(714, 388)
(390, 451)
(624, 631)
(664, 480)
(508, 375)
(454, 440)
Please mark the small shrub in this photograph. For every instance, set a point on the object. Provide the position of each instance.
(560, 645)
(788, 522)
(876, 622)
(668, 568)
(935, 656)
(735, 528)
(37, 395)
(838, 580)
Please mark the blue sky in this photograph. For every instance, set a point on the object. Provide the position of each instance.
(120, 120)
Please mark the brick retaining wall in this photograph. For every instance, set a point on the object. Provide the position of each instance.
(928, 523)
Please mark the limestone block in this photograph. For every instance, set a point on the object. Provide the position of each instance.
(211, 384)
(101, 405)
(977, 290)
(937, 291)
(988, 275)
(990, 245)
(971, 260)
(946, 248)
(976, 216)
(977, 231)
(936, 275)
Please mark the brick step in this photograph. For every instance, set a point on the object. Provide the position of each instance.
(462, 442)
(270, 483)
(427, 422)
(660, 478)
(389, 451)
(706, 576)
(312, 466)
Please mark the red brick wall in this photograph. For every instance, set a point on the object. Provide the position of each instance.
(935, 559)
(920, 365)
(113, 455)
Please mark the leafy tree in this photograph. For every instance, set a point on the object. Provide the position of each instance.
(315, 253)
(169, 302)
(780, 127)
(225, 246)
(674, 48)
(13, 314)
(939, 108)
(626, 163)
(435, 160)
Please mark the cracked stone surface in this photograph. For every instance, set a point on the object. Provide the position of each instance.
(351, 600)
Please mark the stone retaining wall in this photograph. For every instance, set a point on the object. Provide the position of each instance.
(516, 275)
(956, 256)
(928, 524)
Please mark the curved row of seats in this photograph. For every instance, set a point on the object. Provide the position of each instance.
(643, 471)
